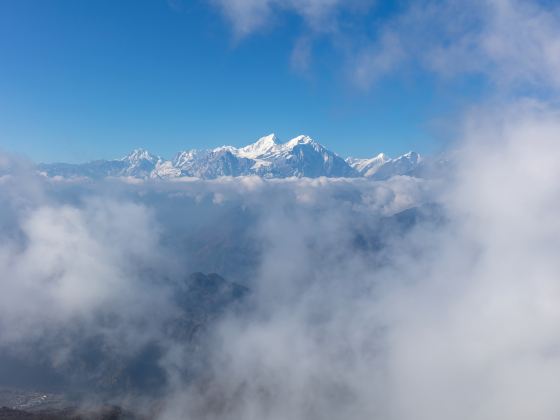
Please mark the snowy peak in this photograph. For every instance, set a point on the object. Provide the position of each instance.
(271, 145)
(413, 157)
(383, 167)
(381, 157)
(299, 157)
(301, 139)
(139, 164)
(368, 167)
(262, 146)
(139, 155)
(182, 158)
(267, 157)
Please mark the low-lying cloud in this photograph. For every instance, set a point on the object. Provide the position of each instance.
(100, 261)
(454, 318)
(403, 298)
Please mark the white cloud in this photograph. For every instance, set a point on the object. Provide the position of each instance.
(248, 16)
(320, 18)
(512, 43)
(454, 319)
(356, 314)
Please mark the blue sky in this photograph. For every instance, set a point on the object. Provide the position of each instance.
(82, 80)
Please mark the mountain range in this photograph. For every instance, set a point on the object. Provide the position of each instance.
(267, 157)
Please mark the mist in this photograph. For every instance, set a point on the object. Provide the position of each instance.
(454, 316)
(407, 298)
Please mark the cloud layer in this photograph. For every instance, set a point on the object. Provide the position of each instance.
(398, 299)
(395, 299)
(456, 317)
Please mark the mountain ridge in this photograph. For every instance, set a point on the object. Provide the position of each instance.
(268, 157)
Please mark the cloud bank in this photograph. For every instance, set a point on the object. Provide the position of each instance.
(456, 317)
(393, 299)
(397, 299)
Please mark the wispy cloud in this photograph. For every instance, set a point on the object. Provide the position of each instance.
(249, 16)
(514, 44)
(321, 18)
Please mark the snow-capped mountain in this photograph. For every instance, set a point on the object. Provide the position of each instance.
(209, 164)
(368, 167)
(267, 157)
(138, 164)
(383, 167)
(302, 157)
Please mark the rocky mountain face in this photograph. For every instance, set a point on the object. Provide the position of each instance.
(267, 157)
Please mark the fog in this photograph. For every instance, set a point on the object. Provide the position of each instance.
(407, 298)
